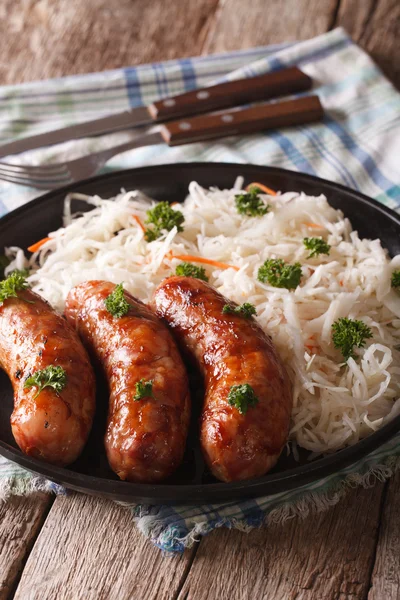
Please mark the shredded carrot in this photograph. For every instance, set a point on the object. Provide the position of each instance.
(262, 187)
(206, 261)
(310, 342)
(314, 225)
(139, 222)
(175, 203)
(38, 244)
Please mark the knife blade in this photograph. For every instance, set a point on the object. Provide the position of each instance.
(232, 93)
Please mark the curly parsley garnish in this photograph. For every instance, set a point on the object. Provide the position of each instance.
(51, 376)
(250, 204)
(247, 310)
(347, 333)
(188, 270)
(23, 272)
(15, 282)
(395, 281)
(279, 274)
(317, 246)
(242, 397)
(116, 303)
(162, 216)
(144, 389)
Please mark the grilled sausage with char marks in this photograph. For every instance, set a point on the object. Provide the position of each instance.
(230, 350)
(145, 438)
(51, 425)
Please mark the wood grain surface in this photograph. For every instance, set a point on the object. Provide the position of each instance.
(87, 547)
(271, 22)
(327, 556)
(385, 583)
(20, 522)
(375, 25)
(50, 38)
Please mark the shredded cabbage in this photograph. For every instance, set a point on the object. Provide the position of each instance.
(334, 404)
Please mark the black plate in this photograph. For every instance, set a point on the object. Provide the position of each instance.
(192, 483)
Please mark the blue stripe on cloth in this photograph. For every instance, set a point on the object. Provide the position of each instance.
(161, 80)
(393, 192)
(133, 87)
(253, 513)
(275, 64)
(323, 151)
(292, 152)
(189, 74)
(364, 158)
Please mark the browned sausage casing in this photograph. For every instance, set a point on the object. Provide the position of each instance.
(230, 350)
(54, 426)
(145, 439)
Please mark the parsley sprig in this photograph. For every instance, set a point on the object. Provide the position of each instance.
(317, 246)
(242, 397)
(187, 269)
(14, 283)
(395, 281)
(144, 389)
(278, 273)
(349, 333)
(116, 303)
(51, 376)
(162, 217)
(247, 310)
(250, 203)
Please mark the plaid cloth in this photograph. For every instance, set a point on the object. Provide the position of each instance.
(357, 145)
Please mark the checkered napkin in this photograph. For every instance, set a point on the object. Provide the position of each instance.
(358, 145)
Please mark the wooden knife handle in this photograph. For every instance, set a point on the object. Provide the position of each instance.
(231, 93)
(234, 122)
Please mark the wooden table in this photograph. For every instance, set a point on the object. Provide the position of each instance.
(79, 547)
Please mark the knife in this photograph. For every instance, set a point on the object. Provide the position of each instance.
(223, 95)
(269, 115)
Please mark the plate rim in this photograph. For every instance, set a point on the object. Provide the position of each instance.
(192, 493)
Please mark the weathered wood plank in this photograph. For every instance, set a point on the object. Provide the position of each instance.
(48, 38)
(328, 556)
(385, 581)
(89, 549)
(239, 24)
(375, 25)
(20, 521)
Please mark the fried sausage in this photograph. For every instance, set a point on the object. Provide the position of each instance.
(230, 350)
(51, 425)
(145, 439)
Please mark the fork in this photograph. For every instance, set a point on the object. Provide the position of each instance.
(52, 176)
(301, 110)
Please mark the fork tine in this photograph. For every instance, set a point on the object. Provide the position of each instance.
(32, 181)
(40, 176)
(38, 186)
(41, 184)
(45, 169)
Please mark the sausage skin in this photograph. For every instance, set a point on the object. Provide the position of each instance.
(229, 350)
(54, 426)
(145, 439)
